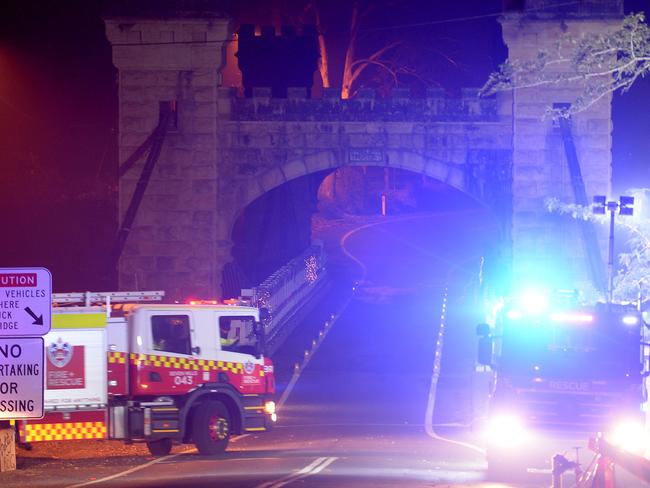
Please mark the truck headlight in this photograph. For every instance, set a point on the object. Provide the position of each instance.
(630, 436)
(270, 409)
(630, 320)
(506, 430)
(533, 301)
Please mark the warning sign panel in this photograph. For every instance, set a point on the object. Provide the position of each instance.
(21, 378)
(25, 301)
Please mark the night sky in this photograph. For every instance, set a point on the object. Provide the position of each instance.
(58, 113)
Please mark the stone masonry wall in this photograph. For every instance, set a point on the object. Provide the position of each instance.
(549, 247)
(173, 240)
(265, 142)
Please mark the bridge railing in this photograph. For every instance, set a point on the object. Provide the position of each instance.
(286, 289)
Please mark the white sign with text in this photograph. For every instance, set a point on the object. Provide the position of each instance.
(21, 378)
(25, 301)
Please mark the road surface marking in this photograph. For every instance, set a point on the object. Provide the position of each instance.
(306, 469)
(383, 221)
(131, 470)
(238, 438)
(314, 467)
(435, 375)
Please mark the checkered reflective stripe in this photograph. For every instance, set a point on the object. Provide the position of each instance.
(116, 357)
(188, 364)
(65, 431)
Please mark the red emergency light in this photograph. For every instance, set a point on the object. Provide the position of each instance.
(203, 302)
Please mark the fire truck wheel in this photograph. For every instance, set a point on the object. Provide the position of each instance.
(500, 470)
(211, 428)
(161, 447)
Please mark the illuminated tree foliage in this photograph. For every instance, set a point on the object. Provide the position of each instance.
(603, 63)
(632, 278)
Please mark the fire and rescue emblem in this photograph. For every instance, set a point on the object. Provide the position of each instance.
(59, 353)
(249, 367)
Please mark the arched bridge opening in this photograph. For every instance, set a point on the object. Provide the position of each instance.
(282, 222)
(270, 231)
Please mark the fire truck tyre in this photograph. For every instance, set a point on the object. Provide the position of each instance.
(211, 428)
(500, 470)
(160, 447)
(496, 472)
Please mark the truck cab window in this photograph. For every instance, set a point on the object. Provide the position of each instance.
(237, 334)
(171, 333)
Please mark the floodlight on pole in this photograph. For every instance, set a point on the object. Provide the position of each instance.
(625, 206)
(599, 204)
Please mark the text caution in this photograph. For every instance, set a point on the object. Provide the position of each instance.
(25, 301)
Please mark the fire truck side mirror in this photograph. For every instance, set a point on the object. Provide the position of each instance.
(485, 351)
(265, 315)
(260, 328)
(484, 344)
(483, 330)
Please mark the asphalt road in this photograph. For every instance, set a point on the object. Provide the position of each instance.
(367, 406)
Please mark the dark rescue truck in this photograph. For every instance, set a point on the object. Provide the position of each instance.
(141, 371)
(560, 374)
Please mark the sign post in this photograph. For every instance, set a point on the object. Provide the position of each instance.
(25, 316)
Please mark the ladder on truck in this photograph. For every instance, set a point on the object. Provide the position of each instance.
(104, 298)
(588, 232)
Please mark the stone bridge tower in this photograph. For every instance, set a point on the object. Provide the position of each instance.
(224, 152)
(163, 55)
(548, 247)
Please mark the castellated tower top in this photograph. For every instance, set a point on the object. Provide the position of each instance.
(164, 9)
(561, 8)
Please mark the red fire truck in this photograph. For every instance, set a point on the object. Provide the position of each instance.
(562, 373)
(122, 365)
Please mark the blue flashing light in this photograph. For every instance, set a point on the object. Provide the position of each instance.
(533, 302)
(514, 314)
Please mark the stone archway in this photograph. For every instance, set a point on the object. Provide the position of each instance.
(253, 190)
(450, 174)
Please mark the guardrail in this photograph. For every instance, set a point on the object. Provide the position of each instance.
(288, 287)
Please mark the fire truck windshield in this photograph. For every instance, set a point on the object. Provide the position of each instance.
(552, 349)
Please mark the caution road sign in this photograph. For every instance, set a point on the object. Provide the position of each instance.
(25, 301)
(21, 378)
